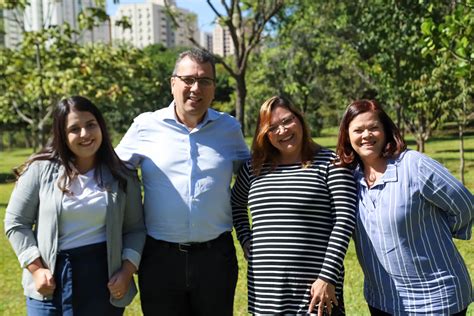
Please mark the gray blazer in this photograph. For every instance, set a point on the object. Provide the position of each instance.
(31, 223)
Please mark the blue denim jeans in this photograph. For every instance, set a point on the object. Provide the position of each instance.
(81, 277)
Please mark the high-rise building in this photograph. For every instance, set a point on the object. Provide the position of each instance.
(13, 26)
(206, 41)
(150, 24)
(40, 14)
(221, 41)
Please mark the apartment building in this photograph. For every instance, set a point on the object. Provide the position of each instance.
(150, 24)
(206, 41)
(221, 41)
(40, 14)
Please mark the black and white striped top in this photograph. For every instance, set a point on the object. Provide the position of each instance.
(302, 221)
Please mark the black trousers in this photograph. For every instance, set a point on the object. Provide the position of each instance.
(198, 279)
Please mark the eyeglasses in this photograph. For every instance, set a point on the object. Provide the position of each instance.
(285, 123)
(190, 81)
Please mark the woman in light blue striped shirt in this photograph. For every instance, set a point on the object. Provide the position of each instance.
(409, 210)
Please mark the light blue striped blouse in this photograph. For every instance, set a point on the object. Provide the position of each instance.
(405, 225)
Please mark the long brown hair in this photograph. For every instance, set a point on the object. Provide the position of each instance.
(395, 144)
(58, 151)
(263, 151)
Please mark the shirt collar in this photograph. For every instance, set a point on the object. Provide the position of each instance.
(390, 174)
(170, 114)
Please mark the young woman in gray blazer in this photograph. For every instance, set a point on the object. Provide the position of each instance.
(75, 219)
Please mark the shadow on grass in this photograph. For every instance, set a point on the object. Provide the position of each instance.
(453, 133)
(410, 143)
(7, 177)
(454, 151)
(436, 139)
(454, 160)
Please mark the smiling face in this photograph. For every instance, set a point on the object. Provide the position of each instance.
(367, 137)
(286, 134)
(84, 138)
(193, 101)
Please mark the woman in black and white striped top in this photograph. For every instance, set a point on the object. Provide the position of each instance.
(303, 210)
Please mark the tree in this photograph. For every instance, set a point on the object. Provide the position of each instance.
(449, 38)
(34, 77)
(314, 62)
(389, 40)
(31, 79)
(49, 65)
(246, 21)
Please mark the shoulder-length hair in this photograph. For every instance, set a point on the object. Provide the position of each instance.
(263, 151)
(57, 149)
(395, 144)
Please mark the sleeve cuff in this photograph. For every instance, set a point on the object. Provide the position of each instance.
(322, 277)
(28, 256)
(132, 256)
(464, 234)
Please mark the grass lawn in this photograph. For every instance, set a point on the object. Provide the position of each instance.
(441, 148)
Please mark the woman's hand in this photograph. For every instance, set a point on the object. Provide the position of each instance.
(324, 294)
(44, 279)
(120, 281)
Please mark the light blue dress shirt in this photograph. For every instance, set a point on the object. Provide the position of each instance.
(186, 173)
(405, 225)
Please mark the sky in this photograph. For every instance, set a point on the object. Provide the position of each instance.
(200, 7)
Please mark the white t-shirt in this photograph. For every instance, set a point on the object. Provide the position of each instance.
(82, 219)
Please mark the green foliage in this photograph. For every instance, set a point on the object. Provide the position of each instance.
(451, 33)
(449, 38)
(123, 81)
(325, 54)
(311, 62)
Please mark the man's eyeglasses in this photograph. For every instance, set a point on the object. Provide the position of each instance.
(285, 123)
(190, 81)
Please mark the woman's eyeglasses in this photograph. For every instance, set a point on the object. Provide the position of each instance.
(285, 123)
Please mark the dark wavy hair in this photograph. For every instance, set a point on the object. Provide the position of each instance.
(263, 151)
(395, 144)
(58, 151)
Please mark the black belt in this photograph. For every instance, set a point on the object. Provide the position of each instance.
(190, 246)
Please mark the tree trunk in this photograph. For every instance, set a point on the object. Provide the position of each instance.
(34, 139)
(398, 111)
(420, 144)
(240, 101)
(42, 135)
(28, 140)
(461, 151)
(11, 140)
